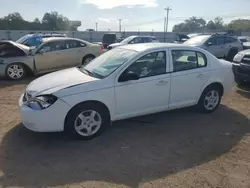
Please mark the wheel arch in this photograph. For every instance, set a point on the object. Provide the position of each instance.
(216, 84)
(26, 67)
(89, 102)
(86, 56)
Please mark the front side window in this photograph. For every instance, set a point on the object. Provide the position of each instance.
(146, 39)
(152, 64)
(51, 46)
(136, 40)
(215, 41)
(187, 60)
(107, 63)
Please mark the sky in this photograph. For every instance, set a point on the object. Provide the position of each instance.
(142, 15)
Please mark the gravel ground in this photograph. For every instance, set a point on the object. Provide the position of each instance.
(181, 148)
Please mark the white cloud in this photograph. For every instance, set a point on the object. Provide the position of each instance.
(104, 19)
(109, 4)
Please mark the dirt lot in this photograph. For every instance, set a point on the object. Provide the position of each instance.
(172, 149)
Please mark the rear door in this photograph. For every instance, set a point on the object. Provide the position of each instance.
(73, 52)
(49, 57)
(190, 73)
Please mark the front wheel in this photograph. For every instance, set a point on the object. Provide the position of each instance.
(87, 121)
(15, 71)
(210, 99)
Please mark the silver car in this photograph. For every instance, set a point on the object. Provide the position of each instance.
(221, 46)
(17, 60)
(134, 40)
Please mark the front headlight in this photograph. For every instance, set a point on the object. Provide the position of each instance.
(42, 102)
(238, 57)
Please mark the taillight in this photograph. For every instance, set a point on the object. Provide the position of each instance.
(102, 47)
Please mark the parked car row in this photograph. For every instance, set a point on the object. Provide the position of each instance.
(54, 53)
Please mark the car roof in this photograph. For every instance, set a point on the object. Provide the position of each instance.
(58, 39)
(44, 34)
(153, 46)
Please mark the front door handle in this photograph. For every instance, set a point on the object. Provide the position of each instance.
(162, 82)
(57, 53)
(200, 76)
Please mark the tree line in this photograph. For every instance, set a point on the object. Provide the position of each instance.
(195, 24)
(50, 21)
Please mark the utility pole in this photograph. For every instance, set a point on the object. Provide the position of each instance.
(120, 25)
(96, 25)
(167, 9)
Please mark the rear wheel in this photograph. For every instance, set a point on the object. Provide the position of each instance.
(87, 121)
(15, 71)
(210, 99)
(87, 60)
(231, 54)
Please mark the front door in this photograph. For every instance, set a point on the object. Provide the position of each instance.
(148, 94)
(190, 74)
(215, 46)
(49, 56)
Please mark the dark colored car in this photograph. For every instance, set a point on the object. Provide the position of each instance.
(241, 67)
(108, 38)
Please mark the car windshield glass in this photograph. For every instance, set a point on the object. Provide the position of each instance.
(198, 40)
(22, 39)
(127, 40)
(107, 63)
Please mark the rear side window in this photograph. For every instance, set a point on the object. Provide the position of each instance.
(230, 40)
(187, 60)
(216, 41)
(68, 44)
(146, 39)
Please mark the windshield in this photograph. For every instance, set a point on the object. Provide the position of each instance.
(198, 40)
(127, 40)
(107, 63)
(22, 39)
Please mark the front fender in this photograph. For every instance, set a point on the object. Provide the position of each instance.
(105, 96)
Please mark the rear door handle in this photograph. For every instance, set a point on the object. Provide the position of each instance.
(162, 82)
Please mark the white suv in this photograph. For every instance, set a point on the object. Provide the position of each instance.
(134, 40)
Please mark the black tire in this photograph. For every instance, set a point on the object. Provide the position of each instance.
(73, 115)
(202, 101)
(20, 67)
(231, 54)
(86, 58)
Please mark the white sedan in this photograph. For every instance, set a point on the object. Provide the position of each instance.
(125, 82)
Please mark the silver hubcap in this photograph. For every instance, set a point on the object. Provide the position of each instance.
(88, 123)
(211, 100)
(15, 71)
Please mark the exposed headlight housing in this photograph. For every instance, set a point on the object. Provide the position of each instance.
(42, 102)
(238, 57)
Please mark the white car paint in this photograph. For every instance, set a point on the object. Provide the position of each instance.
(124, 99)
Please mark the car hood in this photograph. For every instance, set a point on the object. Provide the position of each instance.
(246, 44)
(24, 48)
(57, 81)
(115, 45)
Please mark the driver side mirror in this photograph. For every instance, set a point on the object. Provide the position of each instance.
(126, 76)
(209, 44)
